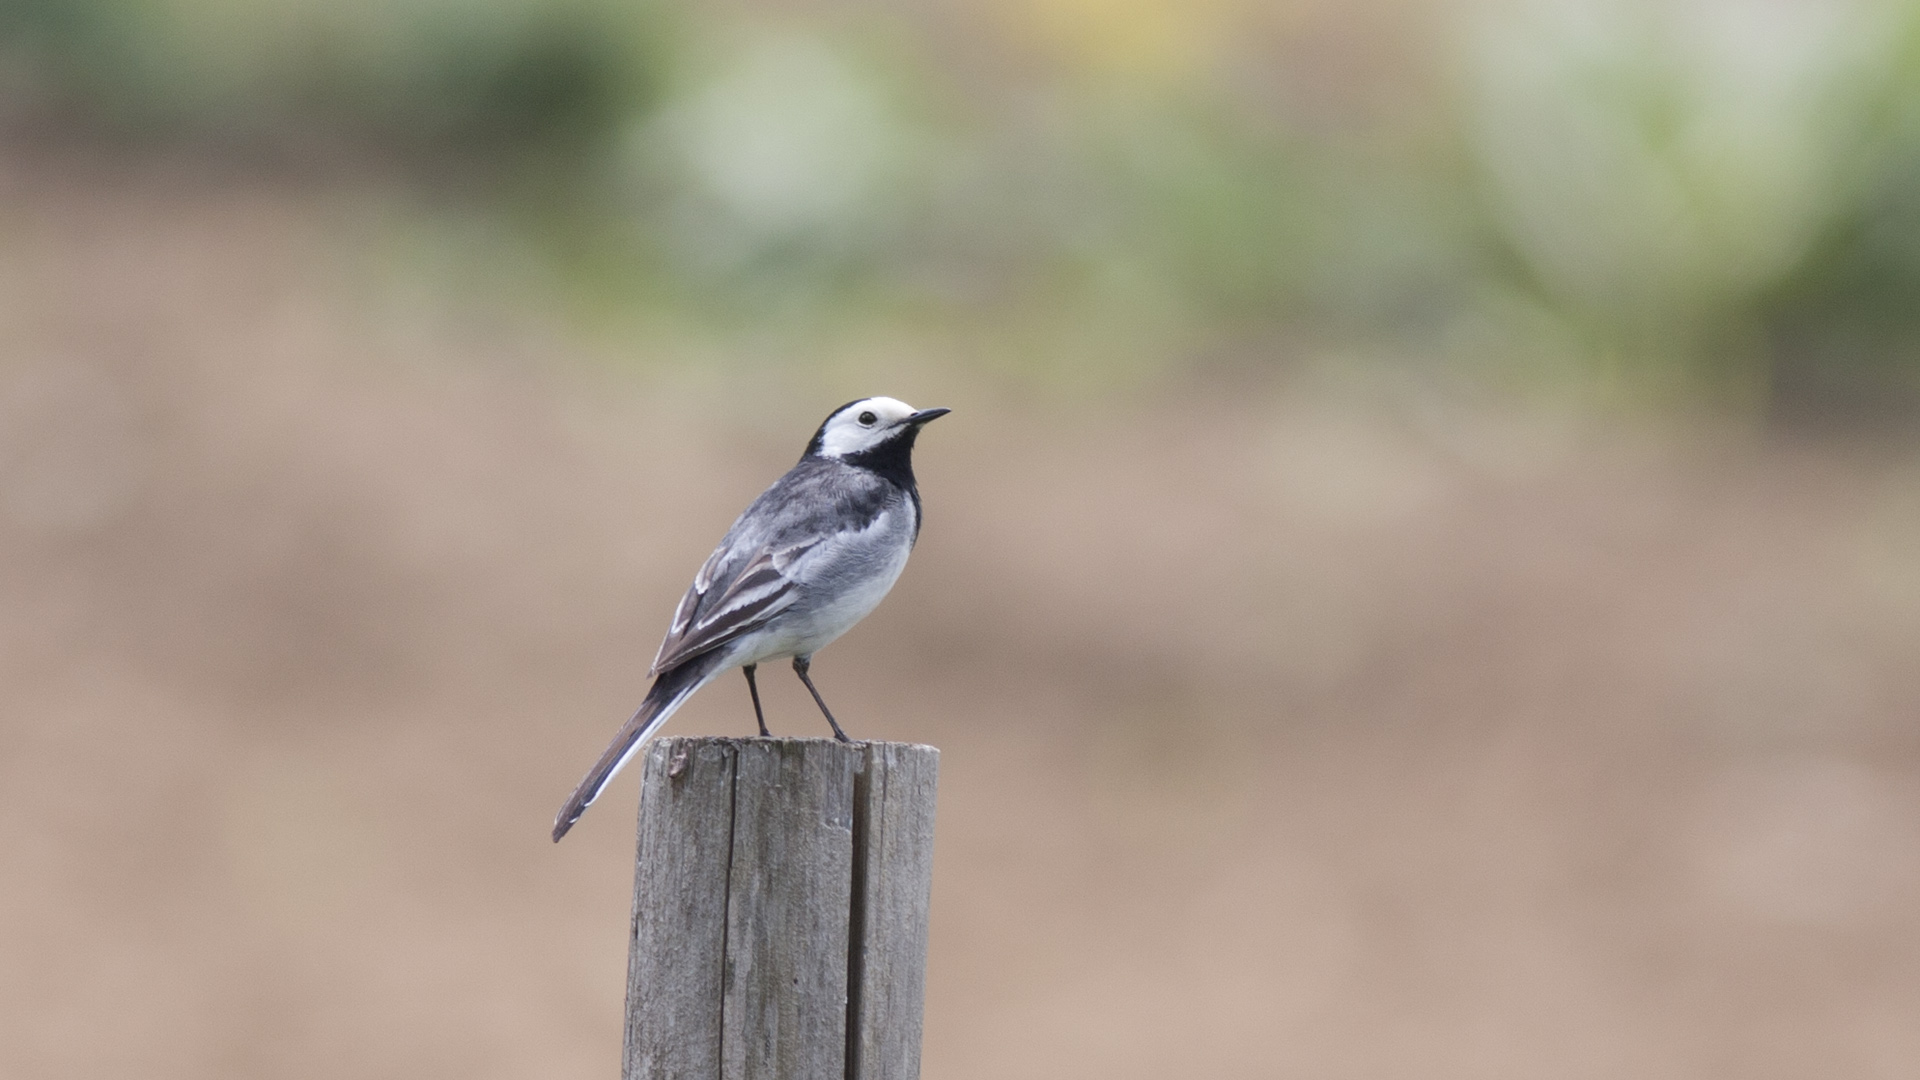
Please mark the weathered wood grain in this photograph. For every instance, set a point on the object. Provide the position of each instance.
(788, 909)
(677, 957)
(780, 910)
(893, 883)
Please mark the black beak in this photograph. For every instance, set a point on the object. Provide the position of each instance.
(925, 415)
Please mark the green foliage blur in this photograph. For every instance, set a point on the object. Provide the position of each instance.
(1712, 200)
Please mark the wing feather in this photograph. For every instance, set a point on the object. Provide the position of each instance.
(716, 611)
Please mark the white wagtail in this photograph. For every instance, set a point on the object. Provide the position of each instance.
(814, 554)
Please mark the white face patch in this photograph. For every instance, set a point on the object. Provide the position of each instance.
(863, 425)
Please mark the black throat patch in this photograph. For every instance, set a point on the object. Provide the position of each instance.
(893, 460)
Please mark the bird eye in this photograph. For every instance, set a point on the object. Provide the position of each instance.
(867, 419)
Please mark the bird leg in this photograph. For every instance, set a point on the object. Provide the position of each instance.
(754, 689)
(800, 665)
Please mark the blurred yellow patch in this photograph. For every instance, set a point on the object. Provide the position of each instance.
(1151, 39)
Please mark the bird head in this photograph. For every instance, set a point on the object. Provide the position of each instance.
(861, 427)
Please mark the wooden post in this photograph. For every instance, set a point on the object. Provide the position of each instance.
(780, 910)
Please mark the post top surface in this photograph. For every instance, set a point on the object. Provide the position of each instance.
(785, 741)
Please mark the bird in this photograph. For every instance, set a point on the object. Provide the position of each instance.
(804, 562)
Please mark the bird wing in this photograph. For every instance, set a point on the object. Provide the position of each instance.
(721, 606)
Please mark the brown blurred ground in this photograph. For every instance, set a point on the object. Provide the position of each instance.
(1329, 728)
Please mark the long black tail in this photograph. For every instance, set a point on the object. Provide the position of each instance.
(674, 686)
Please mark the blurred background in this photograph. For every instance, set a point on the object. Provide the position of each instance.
(1422, 579)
